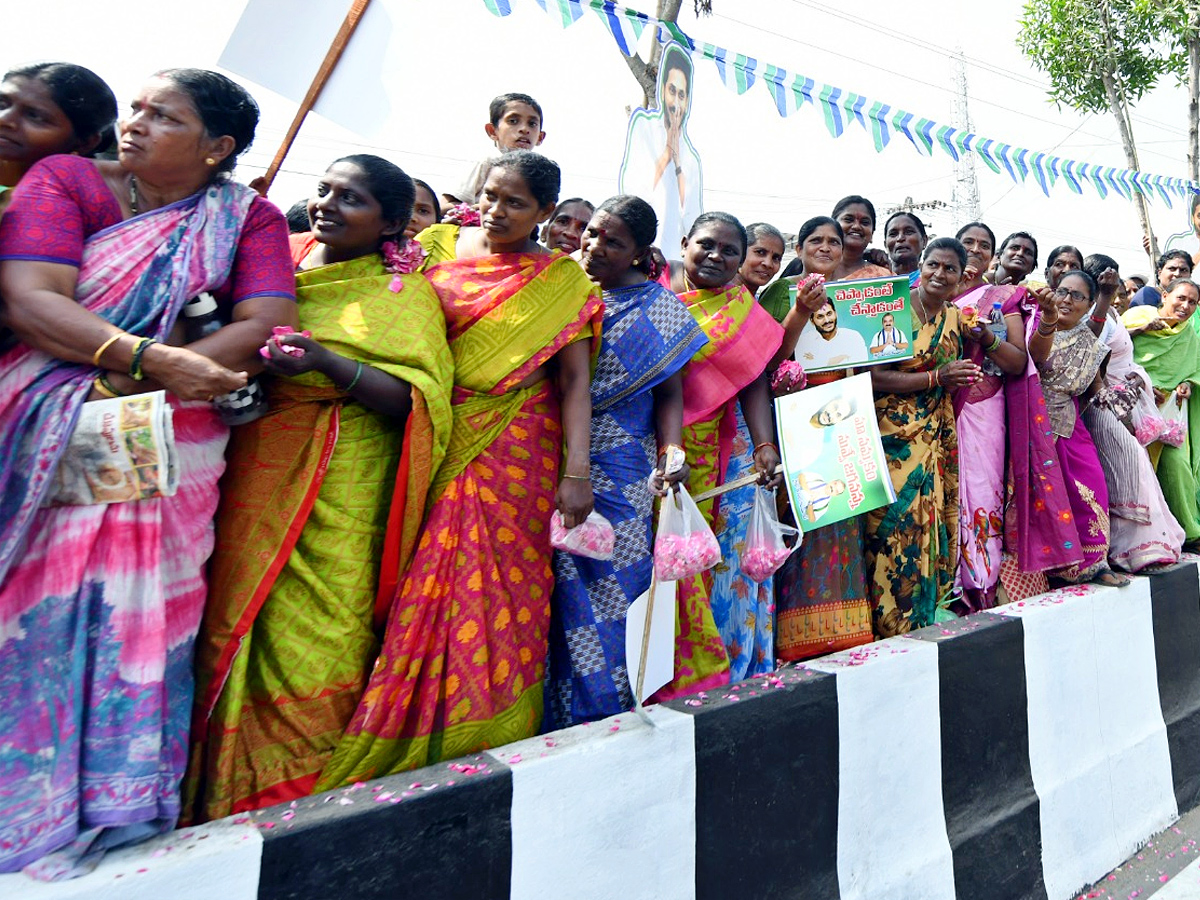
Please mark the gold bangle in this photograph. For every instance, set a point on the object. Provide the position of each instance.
(100, 351)
(578, 477)
(100, 386)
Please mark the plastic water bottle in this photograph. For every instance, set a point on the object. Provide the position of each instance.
(202, 317)
(998, 327)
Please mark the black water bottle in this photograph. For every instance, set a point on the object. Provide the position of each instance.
(202, 317)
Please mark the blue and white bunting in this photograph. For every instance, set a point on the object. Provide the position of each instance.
(739, 72)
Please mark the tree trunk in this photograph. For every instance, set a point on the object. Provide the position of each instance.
(646, 73)
(1193, 47)
(1120, 112)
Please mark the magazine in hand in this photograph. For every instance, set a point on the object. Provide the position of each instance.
(865, 322)
(833, 459)
(122, 449)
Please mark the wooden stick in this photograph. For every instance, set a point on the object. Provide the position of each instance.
(730, 485)
(357, 8)
(641, 680)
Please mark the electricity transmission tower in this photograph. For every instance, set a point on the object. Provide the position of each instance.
(964, 200)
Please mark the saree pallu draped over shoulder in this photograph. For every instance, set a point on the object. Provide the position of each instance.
(323, 503)
(1067, 374)
(742, 339)
(463, 657)
(99, 605)
(912, 545)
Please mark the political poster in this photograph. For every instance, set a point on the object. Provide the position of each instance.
(863, 323)
(833, 459)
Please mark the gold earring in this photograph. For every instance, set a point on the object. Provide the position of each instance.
(210, 161)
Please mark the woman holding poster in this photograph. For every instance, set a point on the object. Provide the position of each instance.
(912, 546)
(821, 598)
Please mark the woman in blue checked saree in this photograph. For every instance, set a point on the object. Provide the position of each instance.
(637, 407)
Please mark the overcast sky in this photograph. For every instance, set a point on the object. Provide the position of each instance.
(438, 64)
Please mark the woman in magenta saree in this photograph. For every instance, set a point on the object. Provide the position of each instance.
(99, 604)
(463, 659)
(1071, 371)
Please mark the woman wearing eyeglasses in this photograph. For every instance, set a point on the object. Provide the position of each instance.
(1070, 360)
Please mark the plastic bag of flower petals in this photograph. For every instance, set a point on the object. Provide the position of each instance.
(594, 538)
(765, 548)
(684, 545)
(1175, 416)
(1147, 427)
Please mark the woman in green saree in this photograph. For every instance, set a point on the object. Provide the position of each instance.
(1167, 346)
(323, 499)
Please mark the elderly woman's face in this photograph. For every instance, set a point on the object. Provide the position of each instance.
(164, 134)
(1179, 305)
(1073, 296)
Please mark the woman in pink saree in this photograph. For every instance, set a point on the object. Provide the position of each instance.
(100, 604)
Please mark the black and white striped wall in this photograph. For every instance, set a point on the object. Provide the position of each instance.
(1021, 753)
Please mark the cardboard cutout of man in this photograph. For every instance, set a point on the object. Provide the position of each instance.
(661, 166)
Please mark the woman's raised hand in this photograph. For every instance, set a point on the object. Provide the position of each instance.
(188, 375)
(1108, 281)
(810, 294)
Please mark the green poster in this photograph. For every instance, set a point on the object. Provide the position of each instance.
(833, 460)
(862, 323)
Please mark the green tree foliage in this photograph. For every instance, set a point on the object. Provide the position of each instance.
(1084, 45)
(1103, 55)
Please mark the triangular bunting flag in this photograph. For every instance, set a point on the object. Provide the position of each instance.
(1018, 159)
(880, 132)
(853, 105)
(925, 133)
(624, 25)
(1068, 172)
(984, 151)
(499, 8)
(945, 139)
(833, 113)
(1039, 172)
(1002, 151)
(568, 11)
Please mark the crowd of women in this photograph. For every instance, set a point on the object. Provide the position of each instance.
(361, 581)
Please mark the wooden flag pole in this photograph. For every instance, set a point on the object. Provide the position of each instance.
(641, 679)
(340, 40)
(728, 486)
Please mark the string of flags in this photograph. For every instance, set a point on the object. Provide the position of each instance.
(840, 108)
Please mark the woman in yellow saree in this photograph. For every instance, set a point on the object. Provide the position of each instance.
(464, 657)
(726, 374)
(322, 500)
